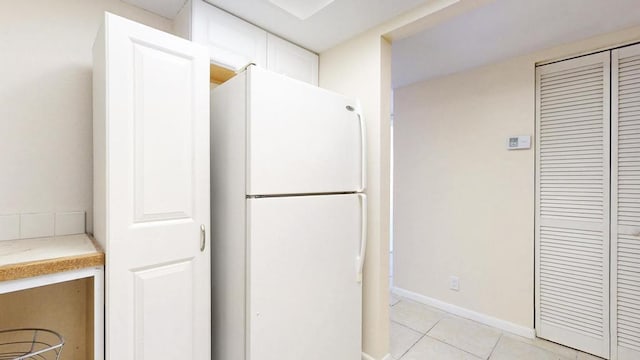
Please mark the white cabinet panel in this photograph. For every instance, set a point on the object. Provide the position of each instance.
(233, 43)
(151, 190)
(160, 291)
(293, 61)
(164, 182)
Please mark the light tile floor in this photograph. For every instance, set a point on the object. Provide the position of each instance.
(421, 332)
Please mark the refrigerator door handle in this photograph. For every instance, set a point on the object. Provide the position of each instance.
(363, 239)
(203, 237)
(363, 139)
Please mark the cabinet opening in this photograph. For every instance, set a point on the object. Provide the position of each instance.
(66, 308)
(219, 74)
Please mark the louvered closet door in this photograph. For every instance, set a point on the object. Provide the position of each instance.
(572, 203)
(625, 205)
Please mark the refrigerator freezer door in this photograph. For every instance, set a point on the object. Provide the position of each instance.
(301, 139)
(304, 297)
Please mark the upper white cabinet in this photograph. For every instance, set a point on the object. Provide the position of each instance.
(233, 43)
(288, 59)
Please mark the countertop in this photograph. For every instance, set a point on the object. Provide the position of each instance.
(25, 258)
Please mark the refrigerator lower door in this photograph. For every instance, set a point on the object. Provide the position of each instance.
(304, 299)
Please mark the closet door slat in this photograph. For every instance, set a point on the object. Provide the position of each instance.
(572, 202)
(625, 203)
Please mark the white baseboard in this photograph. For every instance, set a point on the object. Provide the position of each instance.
(366, 356)
(466, 313)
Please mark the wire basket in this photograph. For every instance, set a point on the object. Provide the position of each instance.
(27, 344)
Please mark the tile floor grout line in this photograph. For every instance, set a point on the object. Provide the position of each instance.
(434, 325)
(470, 353)
(396, 303)
(416, 330)
(455, 347)
(409, 327)
(421, 337)
(430, 337)
(547, 349)
(426, 334)
(502, 335)
(495, 346)
(411, 347)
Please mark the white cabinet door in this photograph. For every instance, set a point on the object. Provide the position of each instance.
(572, 203)
(625, 203)
(233, 43)
(293, 61)
(301, 139)
(151, 139)
(304, 294)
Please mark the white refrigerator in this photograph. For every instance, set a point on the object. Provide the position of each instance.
(288, 220)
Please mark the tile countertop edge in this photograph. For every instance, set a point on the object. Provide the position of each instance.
(50, 266)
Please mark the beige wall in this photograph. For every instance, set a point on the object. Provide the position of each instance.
(45, 101)
(361, 67)
(463, 204)
(364, 61)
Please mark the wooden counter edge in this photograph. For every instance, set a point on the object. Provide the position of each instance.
(50, 266)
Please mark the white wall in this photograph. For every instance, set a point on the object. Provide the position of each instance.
(464, 205)
(45, 101)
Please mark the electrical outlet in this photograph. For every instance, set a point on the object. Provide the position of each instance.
(454, 283)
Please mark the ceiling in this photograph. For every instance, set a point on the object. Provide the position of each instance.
(495, 31)
(504, 29)
(166, 8)
(333, 24)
